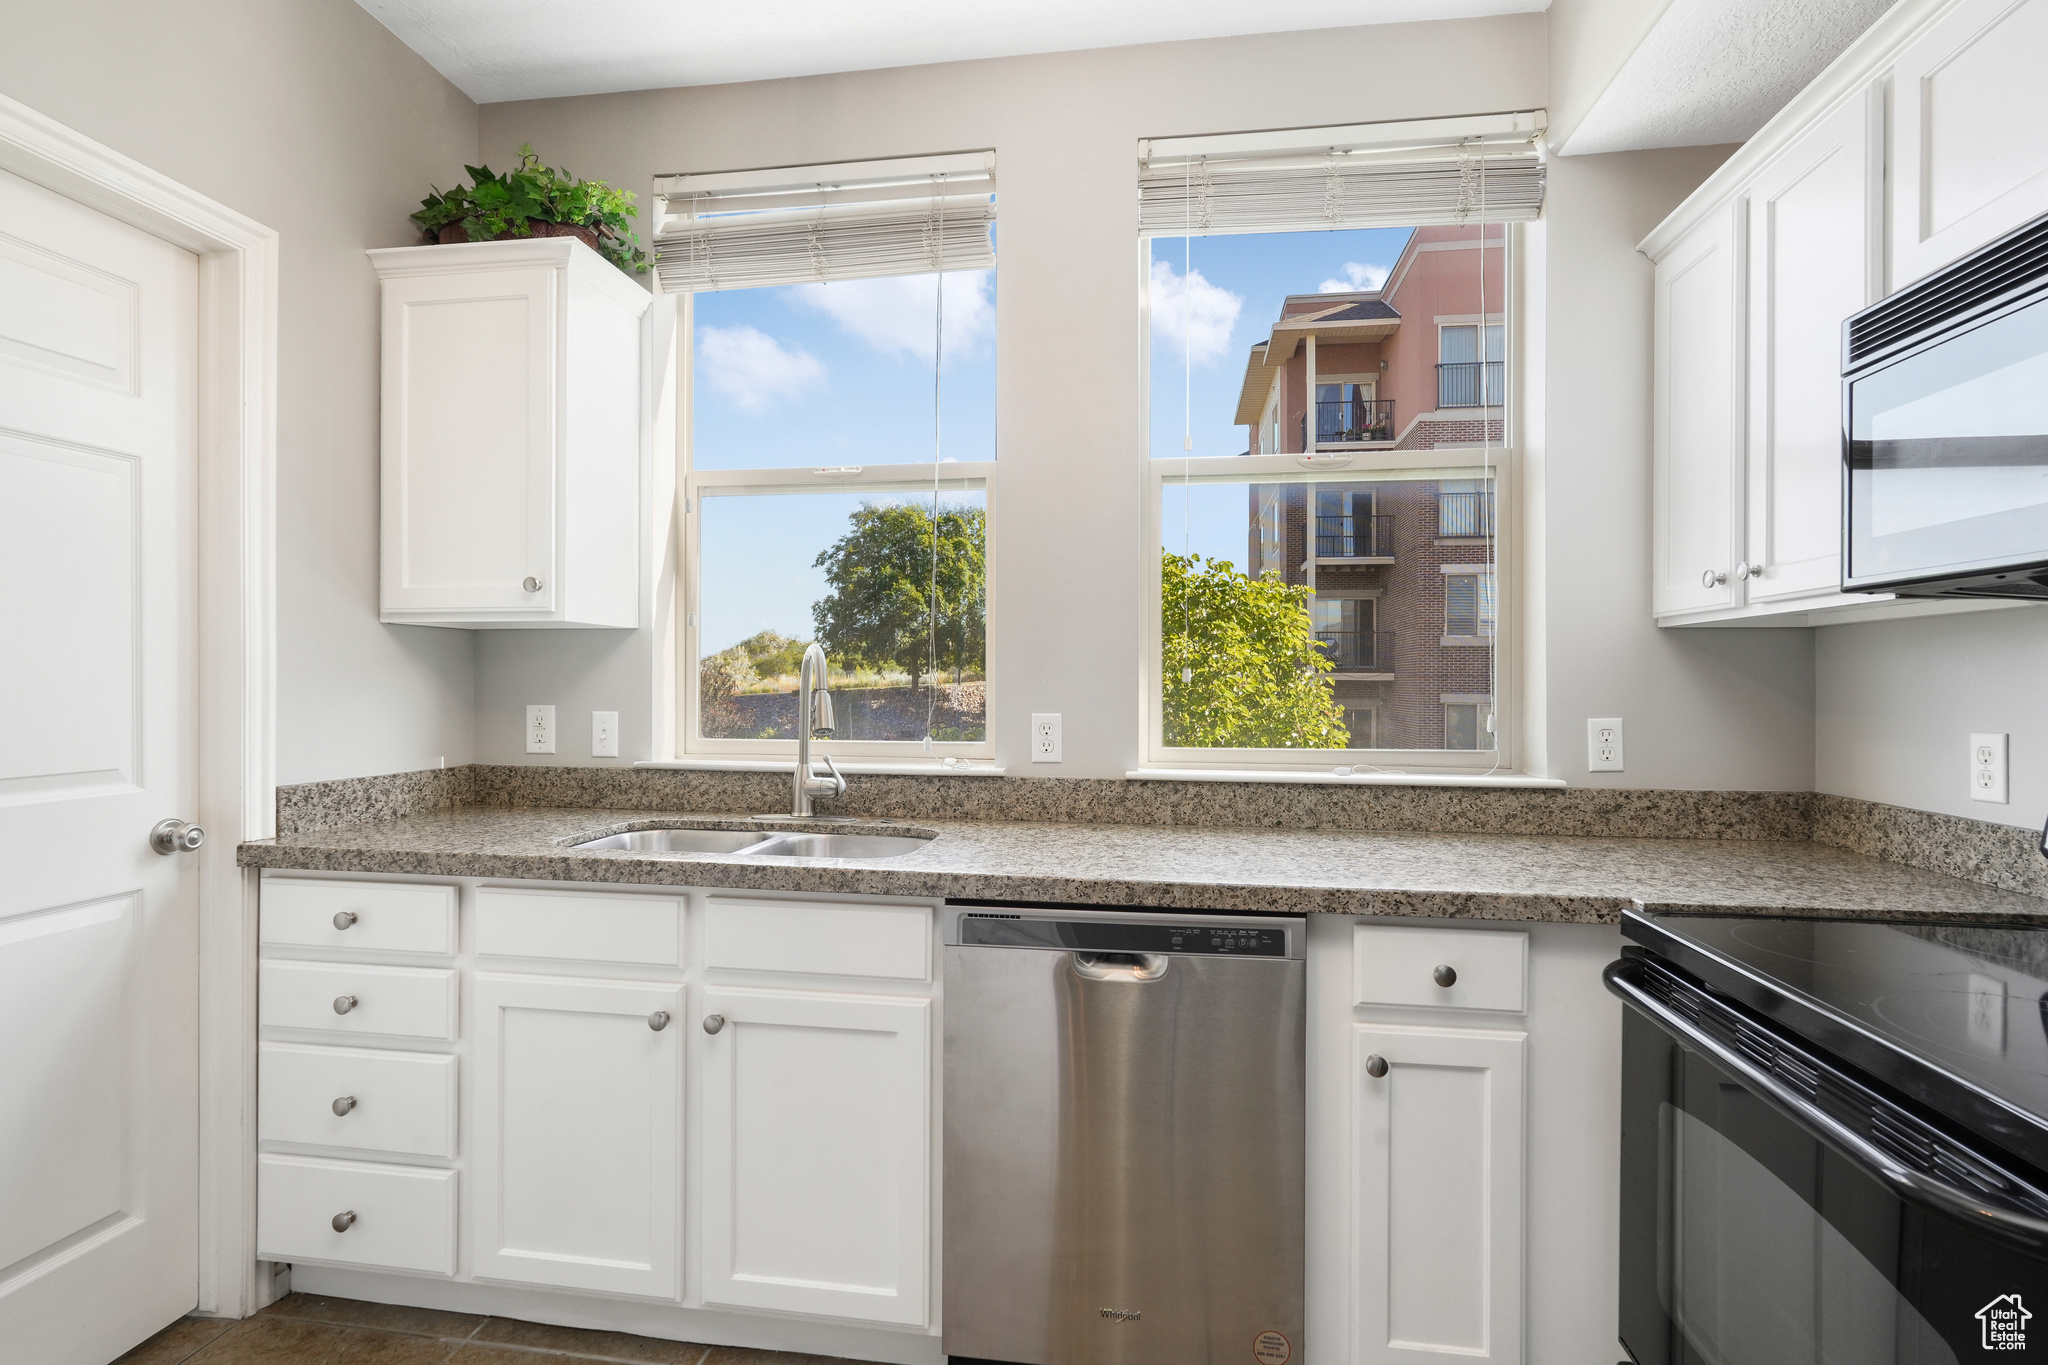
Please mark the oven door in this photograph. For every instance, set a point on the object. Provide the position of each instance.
(1947, 457)
(1776, 1210)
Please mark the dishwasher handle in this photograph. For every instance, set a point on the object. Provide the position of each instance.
(1121, 966)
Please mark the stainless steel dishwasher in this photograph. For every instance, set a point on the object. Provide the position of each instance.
(1124, 1122)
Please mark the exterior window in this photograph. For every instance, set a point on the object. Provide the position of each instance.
(1359, 722)
(1464, 509)
(1468, 605)
(1465, 724)
(1463, 379)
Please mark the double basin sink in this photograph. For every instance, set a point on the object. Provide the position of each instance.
(757, 843)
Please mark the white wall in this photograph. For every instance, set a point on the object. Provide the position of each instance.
(1899, 700)
(309, 117)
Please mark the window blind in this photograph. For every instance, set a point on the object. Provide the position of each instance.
(800, 224)
(1453, 171)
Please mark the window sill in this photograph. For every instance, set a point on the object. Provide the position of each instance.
(935, 768)
(1466, 642)
(1355, 779)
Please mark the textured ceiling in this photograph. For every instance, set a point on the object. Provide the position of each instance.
(1714, 71)
(535, 49)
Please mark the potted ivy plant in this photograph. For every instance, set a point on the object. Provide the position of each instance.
(533, 200)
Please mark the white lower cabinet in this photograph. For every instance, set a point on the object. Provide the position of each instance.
(1437, 1142)
(577, 1161)
(355, 1213)
(817, 1143)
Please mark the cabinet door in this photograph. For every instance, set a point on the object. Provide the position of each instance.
(1698, 426)
(817, 1138)
(1437, 1212)
(578, 1154)
(1972, 149)
(1815, 233)
(469, 394)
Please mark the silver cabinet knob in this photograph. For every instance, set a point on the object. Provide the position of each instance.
(1746, 571)
(175, 836)
(658, 1020)
(344, 918)
(531, 584)
(1445, 975)
(343, 1105)
(344, 1003)
(713, 1022)
(1712, 579)
(344, 1221)
(1375, 1066)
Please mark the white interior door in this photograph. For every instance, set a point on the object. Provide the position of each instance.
(98, 934)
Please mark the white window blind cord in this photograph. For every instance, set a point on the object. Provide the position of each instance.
(931, 693)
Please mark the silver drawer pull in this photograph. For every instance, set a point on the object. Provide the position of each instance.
(344, 1003)
(344, 1221)
(343, 1105)
(713, 1022)
(1375, 1066)
(1445, 976)
(344, 918)
(658, 1020)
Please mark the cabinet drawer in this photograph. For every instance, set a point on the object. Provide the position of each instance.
(580, 928)
(404, 1102)
(404, 1215)
(396, 1002)
(812, 938)
(1398, 966)
(389, 917)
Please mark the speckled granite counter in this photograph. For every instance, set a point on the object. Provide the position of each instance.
(1478, 876)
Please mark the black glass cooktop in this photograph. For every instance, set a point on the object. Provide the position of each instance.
(1954, 1016)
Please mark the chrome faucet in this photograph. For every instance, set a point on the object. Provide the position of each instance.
(814, 717)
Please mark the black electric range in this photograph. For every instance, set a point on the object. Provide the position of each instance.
(1834, 1140)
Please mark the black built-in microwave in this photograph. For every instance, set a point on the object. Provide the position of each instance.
(1945, 430)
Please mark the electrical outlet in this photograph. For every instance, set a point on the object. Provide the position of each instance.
(1988, 768)
(540, 729)
(604, 734)
(1603, 745)
(1045, 739)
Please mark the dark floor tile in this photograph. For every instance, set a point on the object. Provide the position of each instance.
(176, 1343)
(266, 1340)
(388, 1317)
(541, 1336)
(747, 1355)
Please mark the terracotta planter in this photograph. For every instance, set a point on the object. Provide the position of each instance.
(459, 232)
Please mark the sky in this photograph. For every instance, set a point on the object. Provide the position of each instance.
(841, 373)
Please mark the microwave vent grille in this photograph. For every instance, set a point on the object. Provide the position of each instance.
(2013, 262)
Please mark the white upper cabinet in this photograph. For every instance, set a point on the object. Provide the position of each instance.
(1970, 159)
(1814, 250)
(1698, 434)
(511, 435)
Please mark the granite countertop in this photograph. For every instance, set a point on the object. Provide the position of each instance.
(1568, 879)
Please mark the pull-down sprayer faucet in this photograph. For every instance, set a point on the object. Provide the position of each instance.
(814, 717)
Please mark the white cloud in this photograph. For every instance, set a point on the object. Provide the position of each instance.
(894, 314)
(1192, 313)
(750, 367)
(1356, 277)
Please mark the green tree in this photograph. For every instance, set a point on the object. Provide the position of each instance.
(880, 610)
(772, 653)
(1241, 666)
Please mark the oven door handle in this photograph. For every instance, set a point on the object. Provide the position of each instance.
(1914, 1187)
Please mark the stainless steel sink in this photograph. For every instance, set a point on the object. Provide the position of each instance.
(839, 846)
(678, 841)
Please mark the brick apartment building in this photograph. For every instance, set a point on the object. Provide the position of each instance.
(1403, 590)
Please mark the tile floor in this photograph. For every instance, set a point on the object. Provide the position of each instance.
(306, 1329)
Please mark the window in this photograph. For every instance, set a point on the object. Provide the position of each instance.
(840, 436)
(1295, 366)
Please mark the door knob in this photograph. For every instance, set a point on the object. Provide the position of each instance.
(713, 1022)
(344, 918)
(1445, 976)
(658, 1020)
(175, 836)
(344, 1221)
(1375, 1066)
(343, 1105)
(344, 1003)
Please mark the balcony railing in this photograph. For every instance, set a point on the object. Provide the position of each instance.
(1469, 384)
(1354, 419)
(1359, 651)
(1464, 514)
(1355, 537)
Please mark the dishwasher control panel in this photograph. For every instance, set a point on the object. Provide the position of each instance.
(1109, 934)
